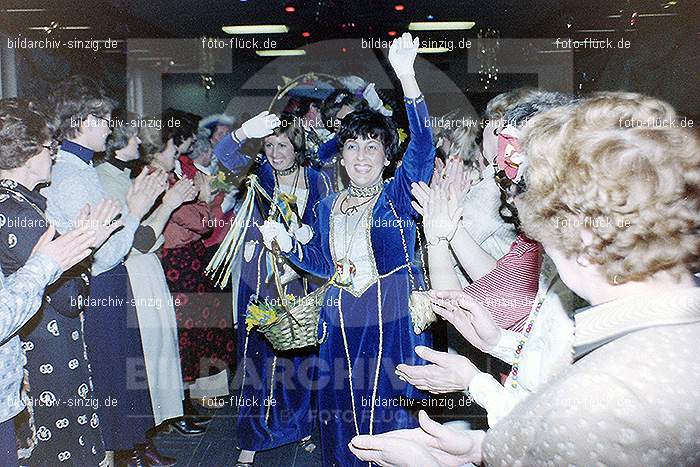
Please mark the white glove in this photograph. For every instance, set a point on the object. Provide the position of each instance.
(303, 234)
(402, 54)
(374, 101)
(261, 125)
(272, 231)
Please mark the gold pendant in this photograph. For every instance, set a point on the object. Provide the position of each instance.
(344, 272)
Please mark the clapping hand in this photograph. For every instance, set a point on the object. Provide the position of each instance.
(67, 250)
(430, 445)
(440, 210)
(446, 373)
(144, 191)
(469, 317)
(102, 220)
(181, 192)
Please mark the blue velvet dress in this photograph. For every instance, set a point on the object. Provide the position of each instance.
(285, 379)
(361, 328)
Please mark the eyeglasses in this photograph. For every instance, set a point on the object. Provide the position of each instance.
(53, 148)
(104, 122)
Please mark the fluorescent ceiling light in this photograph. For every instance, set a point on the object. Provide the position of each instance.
(71, 28)
(602, 30)
(256, 29)
(440, 25)
(280, 52)
(648, 15)
(432, 50)
(25, 10)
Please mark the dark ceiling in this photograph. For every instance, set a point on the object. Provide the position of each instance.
(664, 33)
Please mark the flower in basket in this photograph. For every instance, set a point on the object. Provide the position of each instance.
(261, 313)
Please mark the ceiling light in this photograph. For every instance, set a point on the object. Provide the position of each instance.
(392, 33)
(280, 52)
(290, 9)
(432, 50)
(399, 7)
(305, 34)
(648, 15)
(76, 28)
(256, 29)
(440, 25)
(25, 10)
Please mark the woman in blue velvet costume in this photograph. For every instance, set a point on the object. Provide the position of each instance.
(283, 379)
(364, 237)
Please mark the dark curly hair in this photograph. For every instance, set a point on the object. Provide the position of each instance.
(178, 125)
(23, 132)
(73, 100)
(368, 124)
(333, 103)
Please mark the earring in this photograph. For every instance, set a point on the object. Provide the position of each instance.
(582, 261)
(386, 162)
(342, 162)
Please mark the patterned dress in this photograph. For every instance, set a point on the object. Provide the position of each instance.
(62, 407)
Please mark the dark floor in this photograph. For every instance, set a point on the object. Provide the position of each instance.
(217, 447)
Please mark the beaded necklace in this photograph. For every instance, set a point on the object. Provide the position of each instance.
(521, 342)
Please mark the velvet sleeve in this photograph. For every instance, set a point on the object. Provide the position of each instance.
(328, 150)
(314, 257)
(194, 217)
(228, 152)
(419, 159)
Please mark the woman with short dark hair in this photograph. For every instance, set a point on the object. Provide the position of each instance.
(364, 240)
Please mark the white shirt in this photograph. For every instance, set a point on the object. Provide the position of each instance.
(546, 351)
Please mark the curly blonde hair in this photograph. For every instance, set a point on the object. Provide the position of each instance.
(620, 166)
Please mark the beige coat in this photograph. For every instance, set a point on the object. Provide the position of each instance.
(632, 397)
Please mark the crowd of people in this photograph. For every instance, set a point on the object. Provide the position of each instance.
(562, 240)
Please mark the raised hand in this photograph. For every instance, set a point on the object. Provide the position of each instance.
(402, 54)
(261, 125)
(438, 220)
(181, 192)
(374, 101)
(447, 372)
(470, 318)
(67, 250)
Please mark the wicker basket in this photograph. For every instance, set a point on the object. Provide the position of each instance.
(296, 327)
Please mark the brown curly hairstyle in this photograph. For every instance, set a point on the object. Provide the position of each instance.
(23, 132)
(621, 166)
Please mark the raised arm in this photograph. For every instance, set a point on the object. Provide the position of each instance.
(419, 159)
(228, 151)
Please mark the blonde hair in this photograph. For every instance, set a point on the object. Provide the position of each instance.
(462, 136)
(620, 166)
(151, 142)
